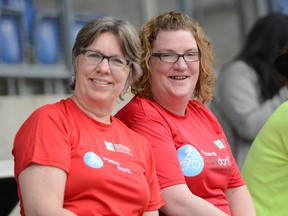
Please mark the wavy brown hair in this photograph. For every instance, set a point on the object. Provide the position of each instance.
(173, 21)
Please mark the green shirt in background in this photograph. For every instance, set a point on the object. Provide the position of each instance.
(266, 167)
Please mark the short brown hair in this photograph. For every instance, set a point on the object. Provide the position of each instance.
(127, 36)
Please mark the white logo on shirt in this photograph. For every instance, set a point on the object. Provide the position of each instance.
(92, 160)
(190, 160)
(117, 147)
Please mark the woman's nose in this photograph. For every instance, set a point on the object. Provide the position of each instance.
(181, 63)
(104, 65)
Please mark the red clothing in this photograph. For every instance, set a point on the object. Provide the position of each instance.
(189, 149)
(110, 168)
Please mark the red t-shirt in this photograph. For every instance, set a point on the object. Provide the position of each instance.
(190, 149)
(110, 168)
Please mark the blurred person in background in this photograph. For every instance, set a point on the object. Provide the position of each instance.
(72, 157)
(249, 88)
(266, 167)
(195, 166)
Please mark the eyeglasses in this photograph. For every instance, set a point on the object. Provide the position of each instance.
(96, 58)
(174, 57)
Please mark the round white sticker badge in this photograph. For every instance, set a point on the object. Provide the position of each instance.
(93, 160)
(190, 160)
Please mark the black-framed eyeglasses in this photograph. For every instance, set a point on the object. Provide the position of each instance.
(174, 57)
(94, 57)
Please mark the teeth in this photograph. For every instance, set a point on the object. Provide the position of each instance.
(100, 82)
(178, 77)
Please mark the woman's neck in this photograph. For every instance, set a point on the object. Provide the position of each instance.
(93, 111)
(175, 106)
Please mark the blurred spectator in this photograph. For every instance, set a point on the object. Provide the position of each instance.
(265, 169)
(249, 88)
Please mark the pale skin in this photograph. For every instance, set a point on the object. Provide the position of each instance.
(97, 90)
(97, 86)
(173, 85)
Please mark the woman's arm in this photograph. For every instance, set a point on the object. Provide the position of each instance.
(42, 190)
(180, 201)
(240, 201)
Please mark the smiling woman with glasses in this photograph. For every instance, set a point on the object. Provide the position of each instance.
(73, 157)
(196, 169)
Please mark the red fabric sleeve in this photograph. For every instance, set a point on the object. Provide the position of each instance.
(42, 139)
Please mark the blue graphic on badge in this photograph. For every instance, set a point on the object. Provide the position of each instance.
(190, 160)
(93, 160)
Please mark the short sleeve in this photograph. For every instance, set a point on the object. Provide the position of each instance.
(43, 139)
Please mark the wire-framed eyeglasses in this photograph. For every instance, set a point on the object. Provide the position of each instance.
(174, 57)
(94, 57)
